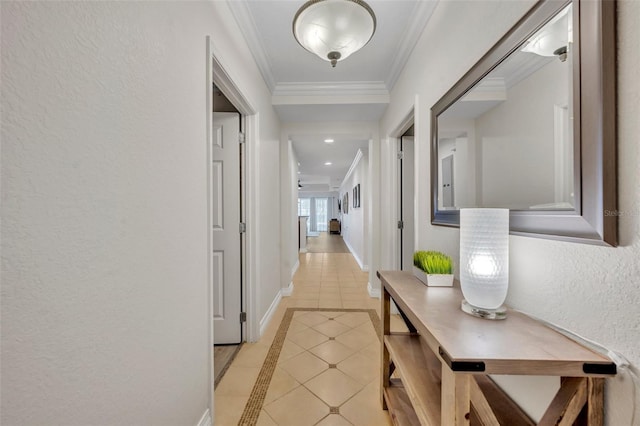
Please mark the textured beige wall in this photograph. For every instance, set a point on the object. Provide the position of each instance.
(104, 227)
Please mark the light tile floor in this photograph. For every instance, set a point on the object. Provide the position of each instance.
(328, 372)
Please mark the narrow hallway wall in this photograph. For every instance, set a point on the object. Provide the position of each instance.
(105, 294)
(354, 223)
(104, 227)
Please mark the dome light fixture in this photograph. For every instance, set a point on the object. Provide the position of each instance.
(555, 38)
(334, 29)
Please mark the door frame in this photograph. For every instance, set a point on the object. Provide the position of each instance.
(216, 74)
(406, 215)
(407, 120)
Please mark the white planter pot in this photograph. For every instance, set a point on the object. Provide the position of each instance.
(440, 280)
(433, 280)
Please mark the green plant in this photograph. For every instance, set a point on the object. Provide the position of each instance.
(433, 262)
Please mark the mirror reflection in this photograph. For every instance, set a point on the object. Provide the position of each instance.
(508, 141)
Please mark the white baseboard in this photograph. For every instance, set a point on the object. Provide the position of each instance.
(373, 292)
(365, 268)
(355, 255)
(303, 250)
(287, 291)
(264, 322)
(295, 268)
(206, 419)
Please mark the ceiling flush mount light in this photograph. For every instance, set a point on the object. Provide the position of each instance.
(328, 140)
(334, 29)
(554, 38)
(328, 163)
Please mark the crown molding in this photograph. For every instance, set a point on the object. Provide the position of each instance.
(526, 65)
(421, 15)
(332, 88)
(489, 89)
(341, 92)
(354, 163)
(242, 15)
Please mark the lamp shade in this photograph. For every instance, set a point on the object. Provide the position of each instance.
(484, 257)
(334, 29)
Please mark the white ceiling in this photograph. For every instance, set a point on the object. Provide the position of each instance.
(306, 88)
(313, 153)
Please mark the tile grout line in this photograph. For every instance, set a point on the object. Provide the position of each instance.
(255, 402)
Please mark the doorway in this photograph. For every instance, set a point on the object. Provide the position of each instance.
(406, 194)
(227, 219)
(317, 209)
(226, 194)
(231, 126)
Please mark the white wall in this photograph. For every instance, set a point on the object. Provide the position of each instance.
(232, 51)
(104, 233)
(104, 213)
(289, 214)
(591, 290)
(354, 226)
(515, 151)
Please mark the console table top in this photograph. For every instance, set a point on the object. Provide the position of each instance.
(516, 345)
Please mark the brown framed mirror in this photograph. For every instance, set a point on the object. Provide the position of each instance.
(531, 127)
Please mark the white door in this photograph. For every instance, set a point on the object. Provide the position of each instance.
(407, 202)
(225, 222)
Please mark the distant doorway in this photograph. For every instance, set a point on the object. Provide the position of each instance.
(317, 210)
(447, 182)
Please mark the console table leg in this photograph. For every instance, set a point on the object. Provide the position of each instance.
(385, 330)
(595, 401)
(455, 398)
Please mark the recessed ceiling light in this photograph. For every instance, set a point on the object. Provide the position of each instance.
(328, 140)
(328, 163)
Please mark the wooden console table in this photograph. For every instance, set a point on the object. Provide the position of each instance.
(437, 374)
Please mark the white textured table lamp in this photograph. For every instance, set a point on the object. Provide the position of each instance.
(484, 261)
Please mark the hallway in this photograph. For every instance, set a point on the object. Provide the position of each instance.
(325, 242)
(321, 349)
